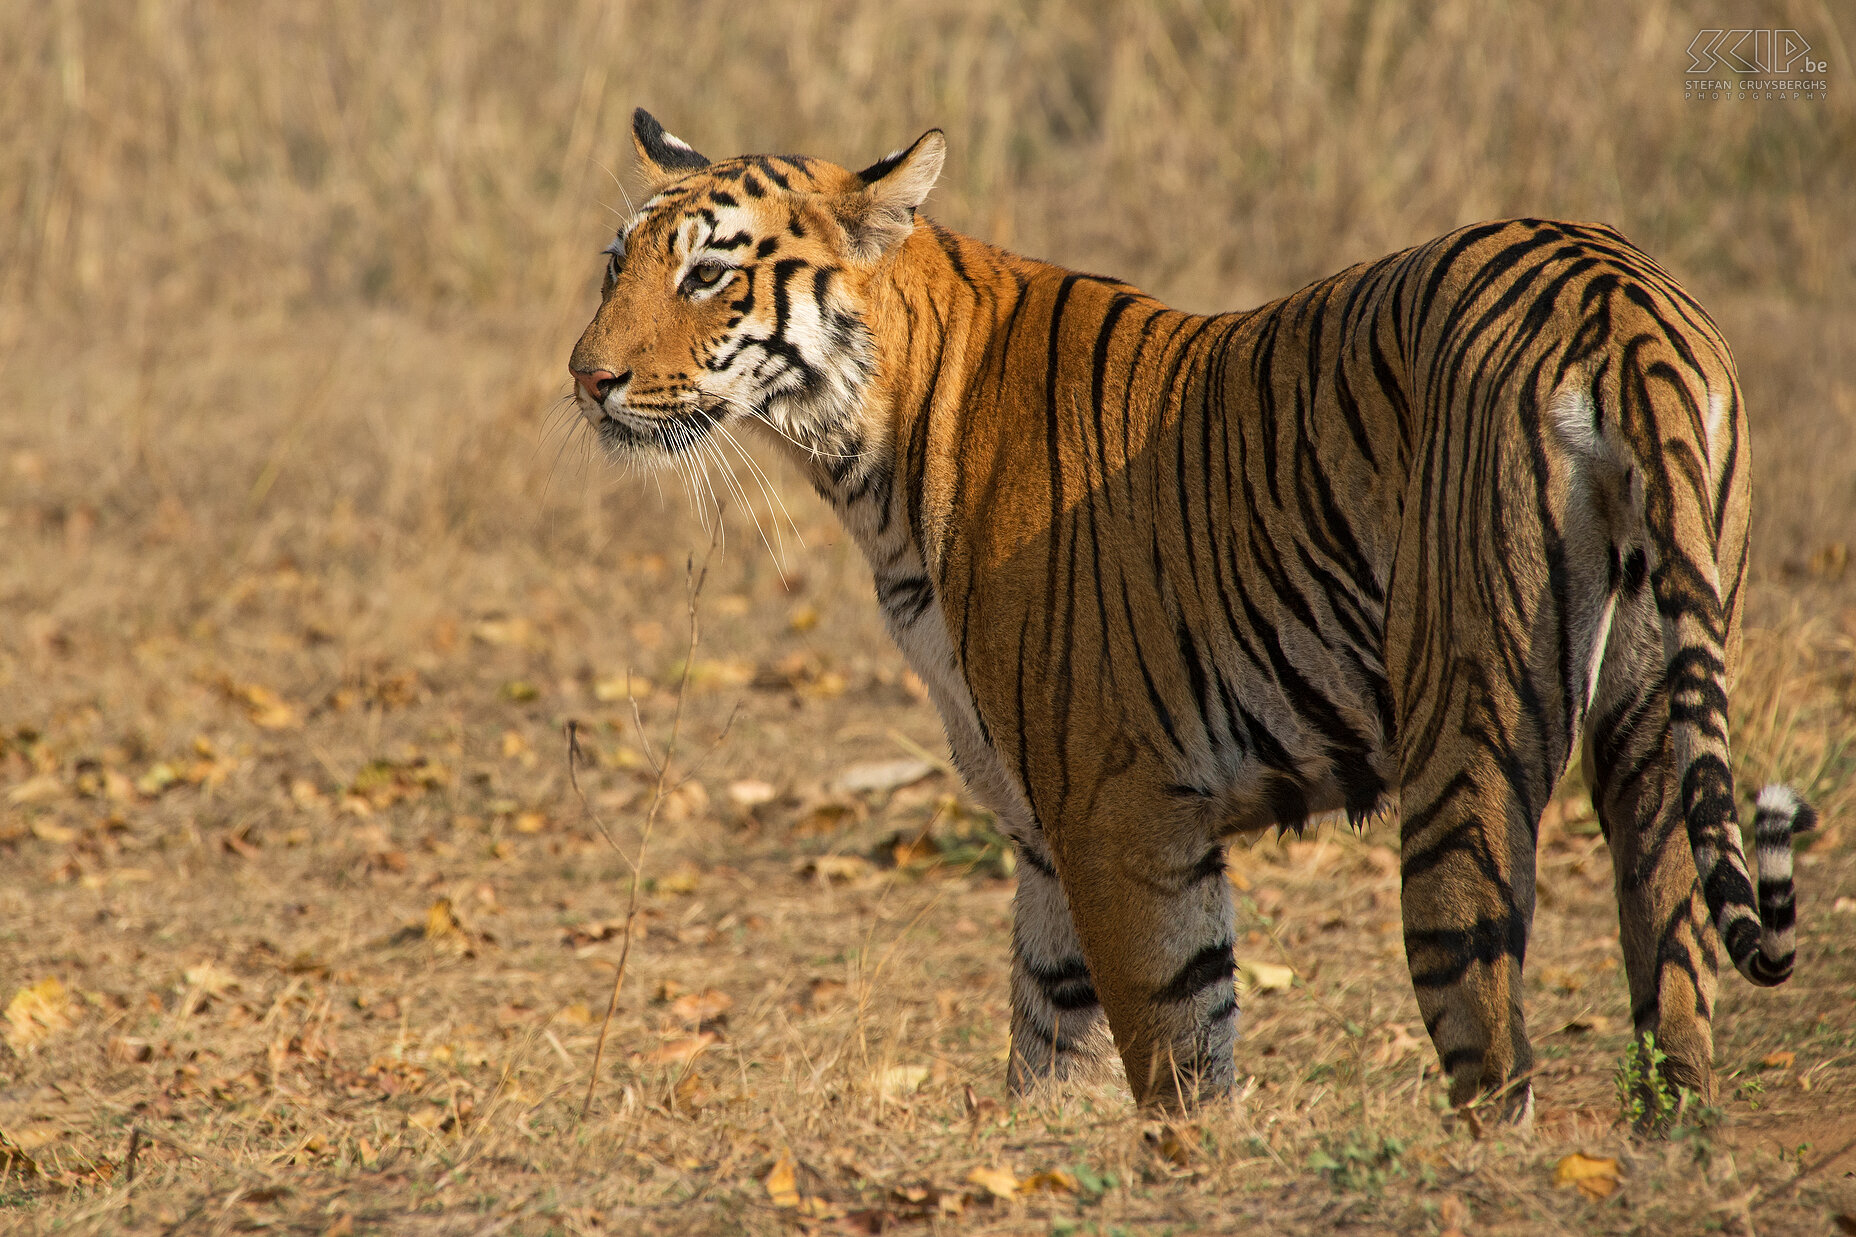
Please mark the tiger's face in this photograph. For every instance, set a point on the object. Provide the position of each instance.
(741, 292)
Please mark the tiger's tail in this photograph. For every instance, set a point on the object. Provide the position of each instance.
(1756, 924)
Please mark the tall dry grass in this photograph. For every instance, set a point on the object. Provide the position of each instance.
(439, 154)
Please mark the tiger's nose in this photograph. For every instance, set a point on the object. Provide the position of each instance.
(598, 383)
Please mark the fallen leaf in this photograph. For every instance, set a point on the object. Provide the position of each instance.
(782, 1183)
(125, 1050)
(750, 793)
(1596, 1178)
(682, 1050)
(1166, 1143)
(881, 776)
(14, 1161)
(1587, 1022)
(681, 881)
(41, 789)
(37, 1012)
(159, 777)
(1265, 976)
(442, 921)
(46, 831)
(828, 816)
(1452, 1214)
(684, 802)
(1399, 1044)
(827, 869)
(1562, 979)
(1782, 1059)
(267, 710)
(428, 1119)
(210, 978)
(900, 1080)
(1052, 1181)
(701, 1006)
(503, 631)
(995, 1181)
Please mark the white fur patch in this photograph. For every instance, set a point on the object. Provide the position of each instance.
(1597, 658)
(1717, 416)
(1571, 414)
(1781, 800)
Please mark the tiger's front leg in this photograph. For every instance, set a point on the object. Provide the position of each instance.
(1153, 914)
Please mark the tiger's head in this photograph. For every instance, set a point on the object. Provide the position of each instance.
(742, 291)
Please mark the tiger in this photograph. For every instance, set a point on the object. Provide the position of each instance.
(1402, 542)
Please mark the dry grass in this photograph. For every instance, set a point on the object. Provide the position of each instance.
(299, 591)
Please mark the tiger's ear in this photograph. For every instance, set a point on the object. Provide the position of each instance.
(663, 156)
(881, 212)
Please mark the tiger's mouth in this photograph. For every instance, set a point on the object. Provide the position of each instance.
(661, 431)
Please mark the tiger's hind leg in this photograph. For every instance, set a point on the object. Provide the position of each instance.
(1467, 861)
(1670, 951)
(1058, 1029)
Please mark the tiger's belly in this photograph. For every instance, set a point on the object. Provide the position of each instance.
(1228, 786)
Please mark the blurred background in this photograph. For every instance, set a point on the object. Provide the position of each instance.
(267, 268)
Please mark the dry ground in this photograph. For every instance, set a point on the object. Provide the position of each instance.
(300, 586)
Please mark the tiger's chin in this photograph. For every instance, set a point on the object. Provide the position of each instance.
(653, 440)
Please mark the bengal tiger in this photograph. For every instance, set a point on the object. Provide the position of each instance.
(1403, 538)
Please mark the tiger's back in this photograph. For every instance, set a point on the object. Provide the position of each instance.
(1409, 534)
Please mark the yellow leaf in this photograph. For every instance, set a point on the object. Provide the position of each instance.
(700, 1007)
(1055, 1181)
(838, 868)
(1782, 1059)
(14, 1162)
(1596, 1178)
(503, 631)
(1265, 976)
(46, 831)
(803, 618)
(210, 977)
(782, 1183)
(1401, 1043)
(882, 776)
(995, 1181)
(681, 881)
(35, 1013)
(682, 1050)
(442, 921)
(751, 793)
(900, 1080)
(159, 777)
(427, 1119)
(577, 1015)
(265, 708)
(41, 789)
